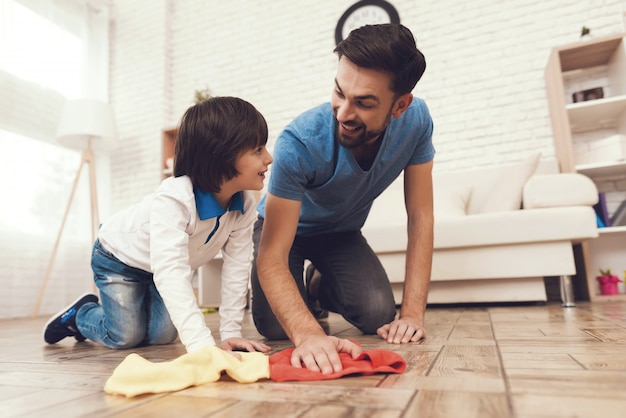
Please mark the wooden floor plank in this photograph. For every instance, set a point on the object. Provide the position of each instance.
(179, 406)
(305, 392)
(548, 406)
(443, 404)
(37, 402)
(463, 360)
(578, 383)
(558, 361)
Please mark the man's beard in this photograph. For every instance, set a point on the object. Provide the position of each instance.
(366, 135)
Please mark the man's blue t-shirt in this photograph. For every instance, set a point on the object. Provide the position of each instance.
(336, 193)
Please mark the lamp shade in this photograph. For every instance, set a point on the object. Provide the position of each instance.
(87, 119)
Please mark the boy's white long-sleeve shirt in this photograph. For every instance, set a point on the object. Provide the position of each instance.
(166, 235)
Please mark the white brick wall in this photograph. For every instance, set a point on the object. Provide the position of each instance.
(484, 82)
(139, 79)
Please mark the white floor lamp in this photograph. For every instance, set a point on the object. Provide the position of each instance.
(85, 124)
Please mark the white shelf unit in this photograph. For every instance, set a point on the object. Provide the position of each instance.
(582, 129)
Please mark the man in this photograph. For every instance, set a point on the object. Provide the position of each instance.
(330, 164)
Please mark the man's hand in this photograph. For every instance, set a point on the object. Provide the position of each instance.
(400, 331)
(241, 344)
(321, 353)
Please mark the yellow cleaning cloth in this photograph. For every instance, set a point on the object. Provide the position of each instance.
(136, 375)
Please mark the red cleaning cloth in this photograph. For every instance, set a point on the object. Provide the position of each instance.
(369, 362)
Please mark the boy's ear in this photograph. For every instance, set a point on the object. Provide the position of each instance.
(402, 103)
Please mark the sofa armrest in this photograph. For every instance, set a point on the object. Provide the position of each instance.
(556, 190)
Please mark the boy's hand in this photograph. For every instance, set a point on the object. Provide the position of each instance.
(242, 344)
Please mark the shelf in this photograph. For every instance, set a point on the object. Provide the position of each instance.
(609, 298)
(585, 54)
(596, 114)
(612, 230)
(598, 170)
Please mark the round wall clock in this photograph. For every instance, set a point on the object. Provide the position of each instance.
(365, 12)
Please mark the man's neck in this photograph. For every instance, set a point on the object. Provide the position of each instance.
(366, 154)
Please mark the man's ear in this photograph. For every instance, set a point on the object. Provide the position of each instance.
(402, 103)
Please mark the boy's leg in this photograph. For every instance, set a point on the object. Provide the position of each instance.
(160, 329)
(63, 324)
(120, 319)
(354, 282)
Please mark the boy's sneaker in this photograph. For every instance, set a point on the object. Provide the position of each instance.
(312, 285)
(63, 324)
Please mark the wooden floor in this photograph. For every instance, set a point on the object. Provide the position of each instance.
(512, 361)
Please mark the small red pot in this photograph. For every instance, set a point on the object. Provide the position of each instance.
(608, 284)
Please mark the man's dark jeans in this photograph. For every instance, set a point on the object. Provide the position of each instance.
(354, 283)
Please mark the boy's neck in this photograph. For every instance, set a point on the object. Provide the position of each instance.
(223, 199)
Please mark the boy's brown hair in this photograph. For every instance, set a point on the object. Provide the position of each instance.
(212, 135)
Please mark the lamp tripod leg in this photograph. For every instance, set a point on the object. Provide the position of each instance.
(95, 216)
(56, 244)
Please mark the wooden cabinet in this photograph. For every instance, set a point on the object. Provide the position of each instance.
(168, 141)
(590, 134)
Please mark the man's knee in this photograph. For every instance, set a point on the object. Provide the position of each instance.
(372, 314)
(371, 323)
(270, 329)
(265, 322)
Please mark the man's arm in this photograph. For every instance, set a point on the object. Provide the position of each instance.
(418, 194)
(314, 348)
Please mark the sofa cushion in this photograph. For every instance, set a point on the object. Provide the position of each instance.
(574, 223)
(554, 190)
(451, 200)
(483, 181)
(506, 193)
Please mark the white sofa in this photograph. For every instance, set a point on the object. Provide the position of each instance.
(486, 247)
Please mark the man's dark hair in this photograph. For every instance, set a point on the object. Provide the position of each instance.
(212, 135)
(387, 47)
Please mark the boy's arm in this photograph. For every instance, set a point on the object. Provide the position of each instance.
(314, 349)
(172, 273)
(235, 272)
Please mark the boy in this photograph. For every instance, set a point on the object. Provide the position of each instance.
(145, 256)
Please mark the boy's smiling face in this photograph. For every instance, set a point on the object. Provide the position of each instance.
(252, 166)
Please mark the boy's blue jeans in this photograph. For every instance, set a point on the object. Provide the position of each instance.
(354, 282)
(131, 311)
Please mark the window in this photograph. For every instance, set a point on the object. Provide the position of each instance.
(39, 50)
(49, 51)
(37, 178)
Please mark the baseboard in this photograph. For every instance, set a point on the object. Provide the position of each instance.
(527, 289)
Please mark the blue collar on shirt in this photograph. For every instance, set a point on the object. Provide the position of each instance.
(208, 207)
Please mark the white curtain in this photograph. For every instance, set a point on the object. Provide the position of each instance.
(63, 55)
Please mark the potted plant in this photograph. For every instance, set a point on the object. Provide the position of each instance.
(202, 95)
(608, 282)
